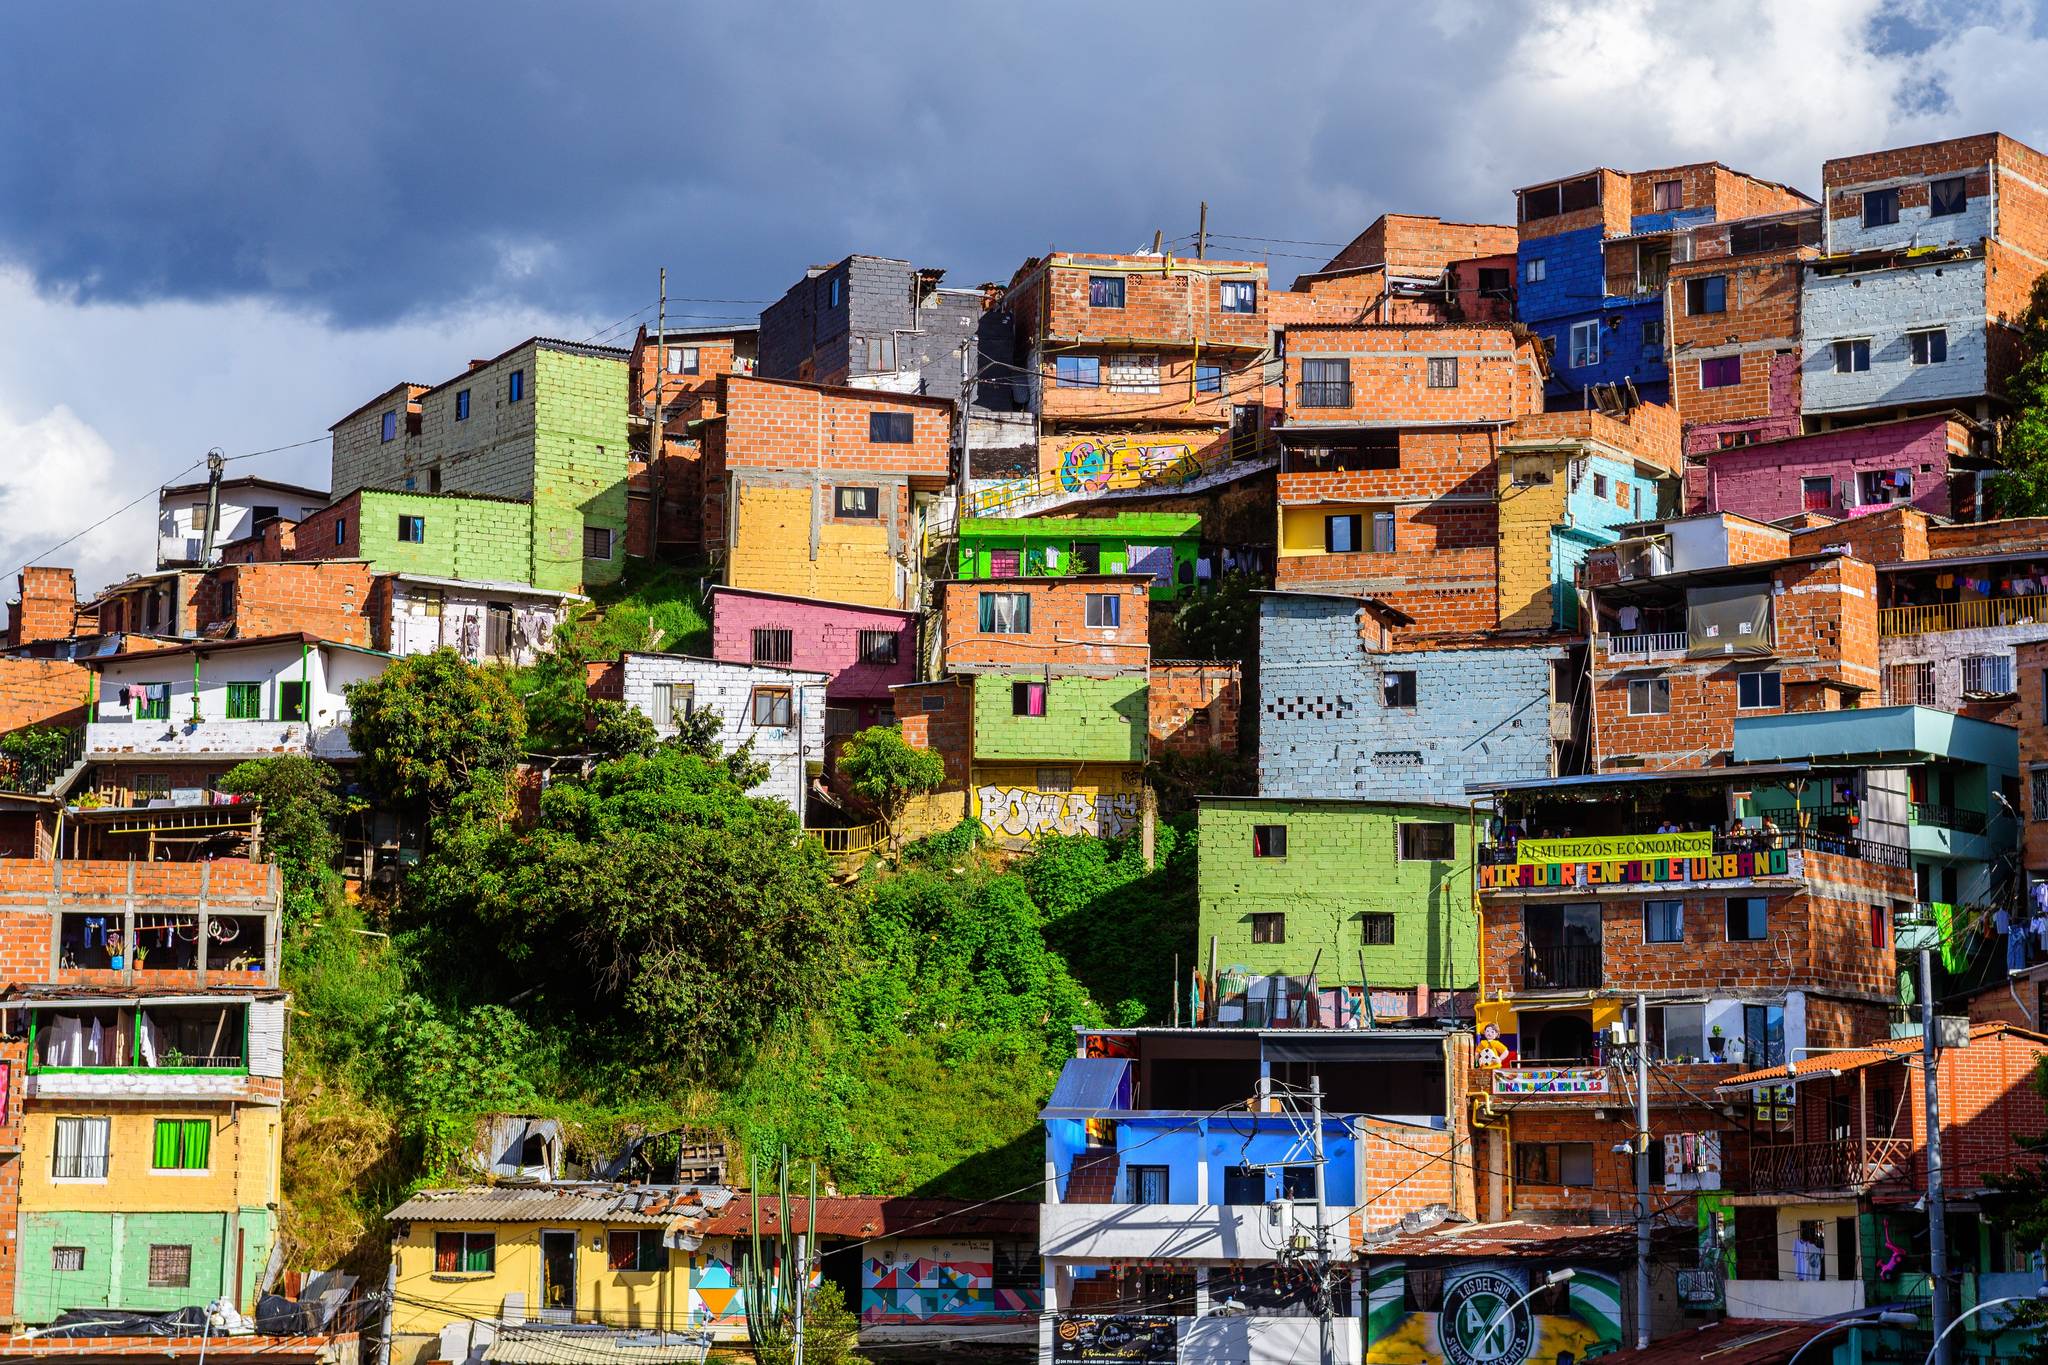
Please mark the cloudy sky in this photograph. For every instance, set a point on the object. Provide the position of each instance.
(226, 224)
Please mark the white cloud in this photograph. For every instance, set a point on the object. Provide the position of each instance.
(101, 403)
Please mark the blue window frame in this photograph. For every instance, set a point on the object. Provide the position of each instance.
(390, 426)
(515, 386)
(1078, 371)
(462, 405)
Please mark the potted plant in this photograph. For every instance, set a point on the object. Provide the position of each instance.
(1718, 1042)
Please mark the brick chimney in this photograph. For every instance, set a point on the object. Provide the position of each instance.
(47, 609)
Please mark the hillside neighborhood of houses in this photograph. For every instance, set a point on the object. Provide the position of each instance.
(1622, 924)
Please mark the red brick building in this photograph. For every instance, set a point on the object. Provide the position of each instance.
(678, 372)
(44, 608)
(329, 598)
(1080, 620)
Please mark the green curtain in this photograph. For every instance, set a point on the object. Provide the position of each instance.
(166, 1145)
(183, 1144)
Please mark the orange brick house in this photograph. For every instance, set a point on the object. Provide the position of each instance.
(678, 372)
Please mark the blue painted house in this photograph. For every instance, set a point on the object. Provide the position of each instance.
(1593, 262)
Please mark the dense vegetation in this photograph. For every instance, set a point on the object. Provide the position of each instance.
(646, 947)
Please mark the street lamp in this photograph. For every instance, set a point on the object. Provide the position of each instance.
(1550, 1281)
(2036, 1296)
(1894, 1319)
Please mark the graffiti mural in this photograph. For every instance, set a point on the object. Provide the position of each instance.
(1023, 813)
(1102, 462)
(952, 1283)
(1456, 1315)
(714, 1292)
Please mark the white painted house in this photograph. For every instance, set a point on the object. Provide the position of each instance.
(181, 515)
(228, 700)
(782, 710)
(482, 620)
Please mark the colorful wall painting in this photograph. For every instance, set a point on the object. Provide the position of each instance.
(1445, 1321)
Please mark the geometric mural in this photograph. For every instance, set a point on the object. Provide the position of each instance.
(932, 1290)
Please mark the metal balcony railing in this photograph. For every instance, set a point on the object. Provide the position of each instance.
(1840, 1164)
(38, 772)
(1325, 393)
(79, 1166)
(1569, 967)
(1647, 642)
(1979, 614)
(1948, 817)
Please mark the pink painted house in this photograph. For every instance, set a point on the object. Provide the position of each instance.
(864, 651)
(1923, 462)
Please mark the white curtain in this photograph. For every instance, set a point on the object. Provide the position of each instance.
(67, 1042)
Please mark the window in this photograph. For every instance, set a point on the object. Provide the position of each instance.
(465, 1253)
(1429, 842)
(1105, 291)
(67, 1258)
(1748, 919)
(1706, 294)
(1054, 779)
(1534, 270)
(1852, 356)
(635, 1250)
(170, 1267)
(291, 701)
(341, 530)
(674, 702)
(881, 354)
(1884, 485)
(1134, 374)
(181, 1144)
(1376, 928)
(80, 1150)
(1341, 533)
(462, 405)
(1909, 684)
(245, 701)
(1443, 372)
(1663, 921)
(1880, 208)
(1930, 345)
(773, 646)
(880, 647)
(931, 703)
(1649, 697)
(889, 428)
(1326, 383)
(1763, 1035)
(682, 360)
(1422, 1288)
(1239, 296)
(2037, 791)
(1104, 609)
(1667, 196)
(597, 542)
(1653, 334)
(1735, 440)
(1759, 691)
(1383, 533)
(1987, 673)
(1269, 927)
(1817, 494)
(1600, 486)
(832, 293)
(412, 530)
(1269, 841)
(1087, 557)
(1530, 471)
(863, 503)
(1495, 281)
(1149, 1185)
(1947, 197)
(1554, 1163)
(1397, 688)
(515, 386)
(1721, 372)
(1585, 344)
(1005, 563)
(1027, 699)
(155, 703)
(772, 707)
(390, 432)
(1078, 372)
(1005, 613)
(1208, 379)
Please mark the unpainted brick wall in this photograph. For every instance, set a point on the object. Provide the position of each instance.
(1192, 707)
(1059, 633)
(42, 692)
(45, 609)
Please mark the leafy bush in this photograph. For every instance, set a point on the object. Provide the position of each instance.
(948, 846)
(430, 726)
(301, 806)
(884, 769)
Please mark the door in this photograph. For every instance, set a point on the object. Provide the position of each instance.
(558, 1276)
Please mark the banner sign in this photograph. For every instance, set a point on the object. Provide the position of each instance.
(1615, 848)
(1550, 1080)
(1715, 867)
(1079, 1339)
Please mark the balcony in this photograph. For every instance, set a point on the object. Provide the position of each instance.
(1982, 613)
(1841, 1164)
(1155, 1232)
(1948, 817)
(1644, 644)
(1326, 394)
(1920, 929)
(182, 737)
(1569, 967)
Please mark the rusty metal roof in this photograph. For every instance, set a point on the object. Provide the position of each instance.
(1825, 1064)
(578, 1201)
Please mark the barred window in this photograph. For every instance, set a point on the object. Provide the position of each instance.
(1989, 673)
(878, 647)
(1909, 684)
(773, 646)
(170, 1267)
(1377, 928)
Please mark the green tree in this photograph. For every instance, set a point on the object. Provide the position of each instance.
(655, 896)
(697, 733)
(2020, 488)
(831, 1332)
(301, 806)
(29, 757)
(430, 726)
(617, 730)
(884, 769)
(1220, 621)
(554, 690)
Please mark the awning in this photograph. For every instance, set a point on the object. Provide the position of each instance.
(1388, 1046)
(1090, 1085)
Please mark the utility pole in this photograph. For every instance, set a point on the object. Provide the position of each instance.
(1326, 1333)
(657, 440)
(215, 462)
(1202, 234)
(1642, 1146)
(1937, 1217)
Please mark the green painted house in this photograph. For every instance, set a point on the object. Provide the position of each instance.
(1163, 544)
(1027, 717)
(1343, 887)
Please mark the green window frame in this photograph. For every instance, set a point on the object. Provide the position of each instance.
(155, 703)
(245, 701)
(291, 701)
(465, 1253)
(182, 1144)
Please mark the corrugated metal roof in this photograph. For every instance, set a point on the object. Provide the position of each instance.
(577, 1344)
(586, 1202)
(1821, 1065)
(1090, 1085)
